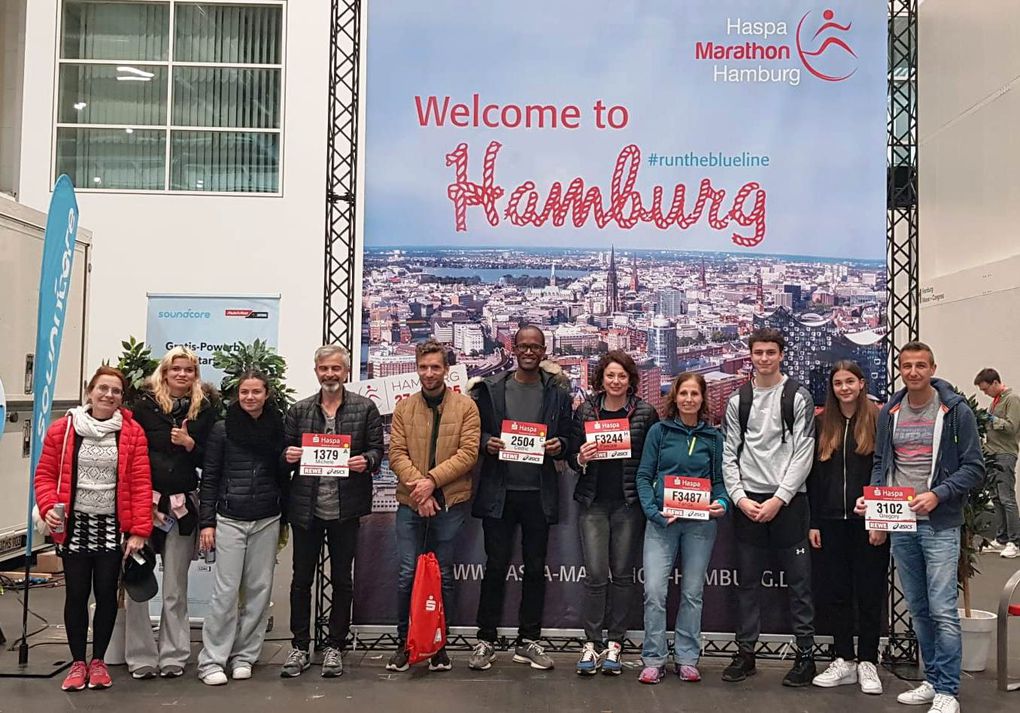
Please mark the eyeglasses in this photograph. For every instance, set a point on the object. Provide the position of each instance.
(533, 348)
(113, 390)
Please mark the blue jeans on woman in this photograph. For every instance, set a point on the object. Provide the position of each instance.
(694, 539)
(926, 562)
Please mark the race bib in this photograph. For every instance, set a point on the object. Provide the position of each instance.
(888, 509)
(523, 442)
(325, 454)
(611, 437)
(686, 497)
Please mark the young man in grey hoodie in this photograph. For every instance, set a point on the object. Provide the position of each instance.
(770, 444)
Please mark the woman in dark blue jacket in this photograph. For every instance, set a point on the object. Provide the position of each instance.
(683, 444)
(241, 502)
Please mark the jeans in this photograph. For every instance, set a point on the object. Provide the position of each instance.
(83, 575)
(342, 538)
(610, 536)
(412, 541)
(785, 537)
(233, 633)
(851, 571)
(1007, 516)
(926, 562)
(694, 539)
(524, 508)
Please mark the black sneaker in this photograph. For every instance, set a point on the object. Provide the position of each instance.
(803, 670)
(440, 661)
(741, 666)
(398, 661)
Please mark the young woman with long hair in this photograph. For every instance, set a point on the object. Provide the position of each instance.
(177, 419)
(850, 570)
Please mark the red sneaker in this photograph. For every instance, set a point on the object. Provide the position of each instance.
(99, 676)
(77, 677)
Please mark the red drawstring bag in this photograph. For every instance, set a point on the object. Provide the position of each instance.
(426, 630)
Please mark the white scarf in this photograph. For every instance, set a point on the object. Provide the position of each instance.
(87, 426)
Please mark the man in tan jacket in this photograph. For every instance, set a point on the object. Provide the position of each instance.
(433, 449)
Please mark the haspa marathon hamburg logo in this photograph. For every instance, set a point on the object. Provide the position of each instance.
(833, 60)
(245, 314)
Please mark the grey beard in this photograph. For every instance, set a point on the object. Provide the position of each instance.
(331, 386)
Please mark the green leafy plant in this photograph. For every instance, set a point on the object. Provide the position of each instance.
(137, 365)
(978, 514)
(239, 357)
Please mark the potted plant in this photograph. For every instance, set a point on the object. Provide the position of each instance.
(137, 365)
(239, 357)
(977, 625)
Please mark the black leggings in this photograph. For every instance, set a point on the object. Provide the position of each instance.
(84, 574)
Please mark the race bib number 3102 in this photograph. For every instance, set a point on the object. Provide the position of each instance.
(610, 436)
(686, 497)
(325, 454)
(888, 509)
(523, 442)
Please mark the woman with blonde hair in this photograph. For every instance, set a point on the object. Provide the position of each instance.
(177, 419)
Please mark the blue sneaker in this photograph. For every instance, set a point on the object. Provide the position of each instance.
(590, 661)
(611, 665)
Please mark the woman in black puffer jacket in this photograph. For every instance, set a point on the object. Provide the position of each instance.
(240, 506)
(610, 520)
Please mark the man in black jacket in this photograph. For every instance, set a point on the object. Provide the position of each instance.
(515, 493)
(327, 507)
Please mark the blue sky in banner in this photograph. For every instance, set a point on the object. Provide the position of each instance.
(824, 140)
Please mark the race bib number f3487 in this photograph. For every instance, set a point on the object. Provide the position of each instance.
(686, 497)
(523, 442)
(324, 454)
(888, 509)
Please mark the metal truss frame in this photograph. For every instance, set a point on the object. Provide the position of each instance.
(339, 319)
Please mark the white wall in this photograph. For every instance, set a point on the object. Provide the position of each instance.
(12, 68)
(969, 112)
(201, 244)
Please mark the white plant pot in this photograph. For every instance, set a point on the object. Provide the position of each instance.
(978, 637)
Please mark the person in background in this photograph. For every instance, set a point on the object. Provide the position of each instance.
(928, 440)
(1001, 444)
(681, 444)
(95, 463)
(851, 572)
(433, 448)
(177, 420)
(239, 512)
(610, 522)
(512, 494)
(328, 508)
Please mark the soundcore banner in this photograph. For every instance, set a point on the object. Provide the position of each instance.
(652, 176)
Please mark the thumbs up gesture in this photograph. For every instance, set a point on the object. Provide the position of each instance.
(180, 437)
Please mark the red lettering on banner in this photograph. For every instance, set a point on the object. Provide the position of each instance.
(625, 208)
(510, 116)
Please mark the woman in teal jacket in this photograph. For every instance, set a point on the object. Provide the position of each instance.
(683, 444)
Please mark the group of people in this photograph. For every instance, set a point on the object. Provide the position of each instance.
(792, 484)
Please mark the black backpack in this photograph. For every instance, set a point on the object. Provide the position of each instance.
(785, 405)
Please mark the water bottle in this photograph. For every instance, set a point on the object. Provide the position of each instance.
(59, 532)
(210, 556)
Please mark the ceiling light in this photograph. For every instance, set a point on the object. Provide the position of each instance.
(79, 106)
(137, 72)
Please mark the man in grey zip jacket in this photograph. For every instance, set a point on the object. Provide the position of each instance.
(928, 440)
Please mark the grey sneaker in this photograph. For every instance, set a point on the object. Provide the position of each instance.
(143, 673)
(171, 671)
(332, 663)
(297, 663)
(531, 653)
(482, 656)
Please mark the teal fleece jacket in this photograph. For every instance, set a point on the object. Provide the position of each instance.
(668, 451)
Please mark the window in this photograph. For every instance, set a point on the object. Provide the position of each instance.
(170, 96)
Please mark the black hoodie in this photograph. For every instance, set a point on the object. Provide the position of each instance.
(835, 484)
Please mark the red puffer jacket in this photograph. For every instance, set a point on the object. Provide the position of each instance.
(134, 479)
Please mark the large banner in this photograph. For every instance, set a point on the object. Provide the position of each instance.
(658, 177)
(207, 323)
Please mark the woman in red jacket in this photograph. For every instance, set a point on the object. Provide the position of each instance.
(95, 462)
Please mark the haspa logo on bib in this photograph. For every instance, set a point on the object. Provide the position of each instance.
(823, 47)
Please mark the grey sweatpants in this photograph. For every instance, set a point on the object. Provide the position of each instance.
(245, 560)
(174, 647)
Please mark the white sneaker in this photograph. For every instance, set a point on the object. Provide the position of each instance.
(867, 676)
(839, 673)
(216, 678)
(920, 696)
(1010, 551)
(944, 703)
(991, 546)
(241, 672)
